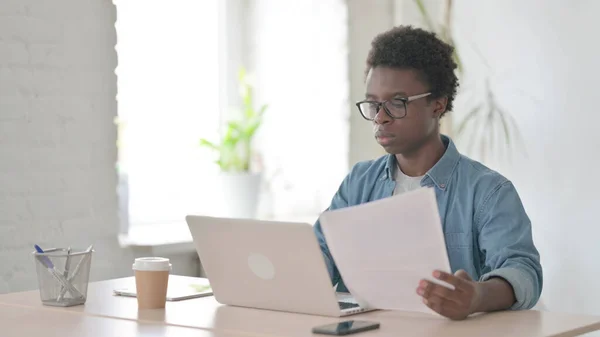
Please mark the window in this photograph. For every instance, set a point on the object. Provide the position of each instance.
(176, 60)
(299, 54)
(168, 97)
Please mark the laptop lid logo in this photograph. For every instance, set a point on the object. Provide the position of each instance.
(261, 266)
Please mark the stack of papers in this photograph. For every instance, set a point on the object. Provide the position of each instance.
(384, 248)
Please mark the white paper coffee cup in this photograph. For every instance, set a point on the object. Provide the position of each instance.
(151, 281)
(152, 264)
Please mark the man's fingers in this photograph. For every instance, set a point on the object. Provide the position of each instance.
(428, 289)
(458, 282)
(452, 303)
(462, 274)
(443, 307)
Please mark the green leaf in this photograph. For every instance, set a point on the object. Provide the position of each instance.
(262, 110)
(505, 126)
(249, 132)
(459, 65)
(235, 126)
(471, 115)
(487, 131)
(478, 130)
(249, 112)
(247, 103)
(234, 129)
(490, 134)
(229, 142)
(241, 74)
(424, 14)
(457, 58)
(234, 146)
(209, 144)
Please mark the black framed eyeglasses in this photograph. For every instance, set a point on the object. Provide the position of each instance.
(395, 108)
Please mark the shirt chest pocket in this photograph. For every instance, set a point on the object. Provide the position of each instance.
(459, 241)
(460, 252)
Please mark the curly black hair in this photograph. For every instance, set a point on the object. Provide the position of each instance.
(406, 47)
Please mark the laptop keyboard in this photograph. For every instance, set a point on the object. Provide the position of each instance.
(347, 305)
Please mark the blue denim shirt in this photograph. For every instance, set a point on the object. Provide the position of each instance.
(487, 232)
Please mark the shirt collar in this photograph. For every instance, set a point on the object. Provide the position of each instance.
(441, 172)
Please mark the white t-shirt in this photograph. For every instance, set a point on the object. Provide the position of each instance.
(405, 183)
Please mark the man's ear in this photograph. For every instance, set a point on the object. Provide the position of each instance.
(439, 106)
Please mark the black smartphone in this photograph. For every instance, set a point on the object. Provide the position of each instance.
(345, 328)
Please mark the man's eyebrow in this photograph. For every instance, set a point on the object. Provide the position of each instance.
(396, 94)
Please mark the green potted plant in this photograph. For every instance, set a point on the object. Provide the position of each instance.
(487, 127)
(240, 181)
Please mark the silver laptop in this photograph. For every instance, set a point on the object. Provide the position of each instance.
(268, 265)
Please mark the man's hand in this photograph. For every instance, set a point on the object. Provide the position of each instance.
(455, 304)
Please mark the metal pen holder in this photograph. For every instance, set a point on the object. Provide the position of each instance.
(63, 276)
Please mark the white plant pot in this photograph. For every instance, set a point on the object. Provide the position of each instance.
(241, 193)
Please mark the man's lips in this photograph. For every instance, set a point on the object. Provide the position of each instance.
(383, 134)
(383, 137)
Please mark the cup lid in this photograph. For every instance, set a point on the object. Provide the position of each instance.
(152, 264)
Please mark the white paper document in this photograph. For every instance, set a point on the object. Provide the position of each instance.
(385, 247)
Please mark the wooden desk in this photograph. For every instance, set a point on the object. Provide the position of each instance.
(18, 321)
(206, 313)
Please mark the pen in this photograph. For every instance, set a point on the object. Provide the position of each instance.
(76, 271)
(45, 260)
(78, 266)
(67, 265)
(59, 277)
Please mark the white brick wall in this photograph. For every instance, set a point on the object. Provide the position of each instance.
(57, 137)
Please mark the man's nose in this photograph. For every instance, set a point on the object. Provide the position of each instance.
(382, 117)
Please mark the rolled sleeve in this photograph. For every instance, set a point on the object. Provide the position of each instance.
(523, 286)
(505, 239)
